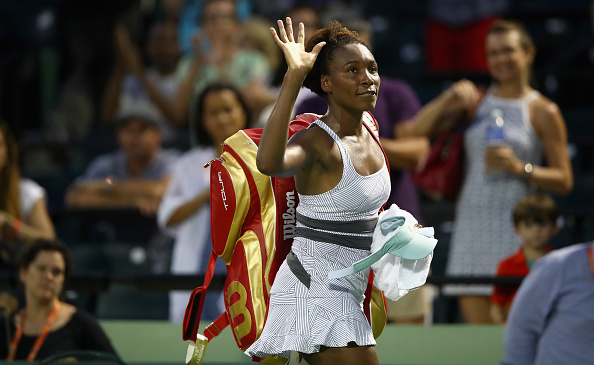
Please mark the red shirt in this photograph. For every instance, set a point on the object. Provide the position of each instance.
(514, 265)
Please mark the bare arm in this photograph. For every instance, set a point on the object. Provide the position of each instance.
(405, 153)
(557, 176)
(187, 209)
(275, 156)
(37, 225)
(99, 194)
(444, 111)
(175, 110)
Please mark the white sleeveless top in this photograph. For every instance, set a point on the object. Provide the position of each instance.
(483, 231)
(355, 197)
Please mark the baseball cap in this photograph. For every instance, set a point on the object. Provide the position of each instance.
(137, 111)
(396, 230)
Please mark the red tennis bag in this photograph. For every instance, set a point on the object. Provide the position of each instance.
(252, 228)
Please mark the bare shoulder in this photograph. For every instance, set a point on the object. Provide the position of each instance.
(546, 117)
(314, 139)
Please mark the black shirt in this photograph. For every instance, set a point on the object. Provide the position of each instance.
(82, 332)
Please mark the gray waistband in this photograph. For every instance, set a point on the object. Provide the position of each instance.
(359, 226)
(297, 269)
(359, 242)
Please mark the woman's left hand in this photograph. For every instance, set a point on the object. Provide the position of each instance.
(503, 158)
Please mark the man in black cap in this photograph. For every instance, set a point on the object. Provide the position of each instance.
(136, 175)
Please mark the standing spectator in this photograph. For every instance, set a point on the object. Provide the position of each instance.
(534, 132)
(157, 86)
(456, 32)
(134, 176)
(535, 222)
(48, 326)
(551, 319)
(397, 103)
(184, 211)
(23, 210)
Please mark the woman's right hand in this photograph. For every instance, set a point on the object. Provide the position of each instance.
(464, 92)
(296, 56)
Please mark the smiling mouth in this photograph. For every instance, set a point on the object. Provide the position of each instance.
(368, 93)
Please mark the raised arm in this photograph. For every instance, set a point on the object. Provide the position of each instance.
(276, 157)
(556, 175)
(443, 112)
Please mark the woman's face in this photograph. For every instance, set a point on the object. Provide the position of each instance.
(223, 115)
(353, 80)
(44, 277)
(220, 20)
(507, 59)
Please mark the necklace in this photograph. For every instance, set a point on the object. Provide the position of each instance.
(45, 330)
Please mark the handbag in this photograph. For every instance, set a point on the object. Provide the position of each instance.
(441, 175)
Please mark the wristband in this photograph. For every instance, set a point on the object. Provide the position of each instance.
(527, 174)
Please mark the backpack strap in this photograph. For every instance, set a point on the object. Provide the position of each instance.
(217, 326)
(196, 302)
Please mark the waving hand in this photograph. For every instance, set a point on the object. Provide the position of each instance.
(294, 51)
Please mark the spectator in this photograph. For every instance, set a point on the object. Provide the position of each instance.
(188, 15)
(23, 211)
(184, 211)
(551, 319)
(221, 58)
(534, 131)
(157, 86)
(456, 32)
(535, 222)
(43, 268)
(397, 103)
(134, 176)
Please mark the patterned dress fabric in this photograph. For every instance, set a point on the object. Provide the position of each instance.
(483, 231)
(330, 312)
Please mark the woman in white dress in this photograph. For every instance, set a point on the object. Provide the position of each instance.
(342, 180)
(184, 210)
(23, 210)
(532, 156)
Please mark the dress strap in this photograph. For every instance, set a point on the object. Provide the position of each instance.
(533, 95)
(346, 160)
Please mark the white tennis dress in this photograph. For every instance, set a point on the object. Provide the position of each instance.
(330, 312)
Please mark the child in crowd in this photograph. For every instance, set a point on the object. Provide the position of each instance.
(535, 222)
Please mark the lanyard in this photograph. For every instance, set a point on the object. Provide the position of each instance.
(40, 339)
(591, 257)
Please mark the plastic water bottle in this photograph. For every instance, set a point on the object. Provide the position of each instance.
(495, 137)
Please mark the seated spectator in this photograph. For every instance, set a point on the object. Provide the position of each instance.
(156, 86)
(219, 56)
(134, 176)
(184, 211)
(535, 222)
(551, 318)
(187, 14)
(23, 211)
(46, 325)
